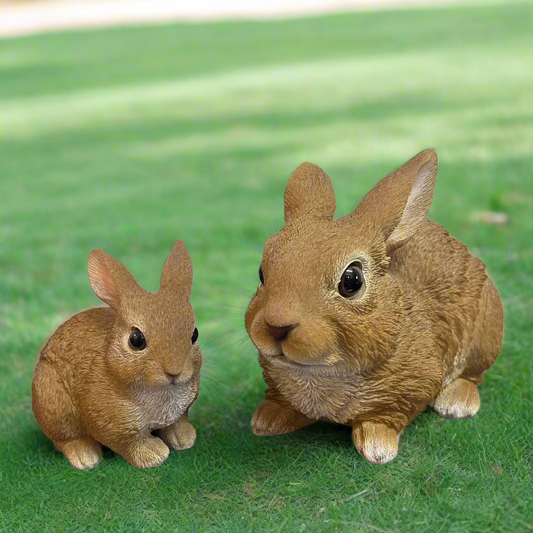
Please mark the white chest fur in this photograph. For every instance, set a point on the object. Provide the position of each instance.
(319, 397)
(161, 407)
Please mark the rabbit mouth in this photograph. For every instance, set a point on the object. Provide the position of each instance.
(178, 379)
(281, 358)
(283, 361)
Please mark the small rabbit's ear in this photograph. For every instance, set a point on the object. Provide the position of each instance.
(110, 279)
(309, 193)
(399, 203)
(177, 270)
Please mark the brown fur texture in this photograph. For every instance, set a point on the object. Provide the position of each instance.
(92, 388)
(426, 324)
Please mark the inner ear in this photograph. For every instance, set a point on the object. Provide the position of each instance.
(398, 205)
(110, 279)
(309, 193)
(416, 208)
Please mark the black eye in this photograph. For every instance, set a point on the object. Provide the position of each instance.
(194, 337)
(261, 277)
(352, 280)
(137, 340)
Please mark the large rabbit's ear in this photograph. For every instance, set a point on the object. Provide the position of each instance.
(309, 193)
(399, 203)
(110, 279)
(177, 271)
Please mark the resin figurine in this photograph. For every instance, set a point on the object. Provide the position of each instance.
(368, 319)
(123, 376)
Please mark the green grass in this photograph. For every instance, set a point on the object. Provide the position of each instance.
(126, 139)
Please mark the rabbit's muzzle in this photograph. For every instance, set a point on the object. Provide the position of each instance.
(280, 333)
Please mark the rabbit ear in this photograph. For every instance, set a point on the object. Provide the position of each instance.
(177, 270)
(309, 193)
(110, 279)
(400, 202)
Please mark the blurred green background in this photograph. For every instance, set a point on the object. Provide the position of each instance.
(126, 139)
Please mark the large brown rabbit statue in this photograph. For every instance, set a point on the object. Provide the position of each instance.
(123, 376)
(368, 319)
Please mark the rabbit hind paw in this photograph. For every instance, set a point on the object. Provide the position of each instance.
(82, 454)
(458, 399)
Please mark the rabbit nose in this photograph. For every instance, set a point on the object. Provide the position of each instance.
(173, 377)
(280, 332)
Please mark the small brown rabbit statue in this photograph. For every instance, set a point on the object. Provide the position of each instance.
(366, 320)
(123, 376)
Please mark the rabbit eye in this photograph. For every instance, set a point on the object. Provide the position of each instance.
(261, 277)
(137, 340)
(194, 337)
(351, 281)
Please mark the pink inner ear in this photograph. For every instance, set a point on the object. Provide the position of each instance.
(108, 285)
(102, 281)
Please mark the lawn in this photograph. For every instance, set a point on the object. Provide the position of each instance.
(127, 139)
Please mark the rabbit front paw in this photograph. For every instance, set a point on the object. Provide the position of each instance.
(147, 452)
(377, 443)
(273, 418)
(179, 436)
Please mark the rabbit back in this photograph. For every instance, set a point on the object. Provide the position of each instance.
(450, 286)
(66, 357)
